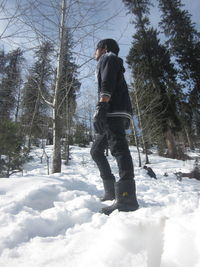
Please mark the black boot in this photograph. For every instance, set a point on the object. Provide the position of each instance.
(125, 197)
(109, 190)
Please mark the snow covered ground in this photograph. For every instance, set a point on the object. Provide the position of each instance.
(53, 220)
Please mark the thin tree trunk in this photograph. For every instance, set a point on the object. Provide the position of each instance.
(190, 143)
(18, 104)
(67, 132)
(141, 127)
(171, 144)
(32, 120)
(136, 142)
(56, 167)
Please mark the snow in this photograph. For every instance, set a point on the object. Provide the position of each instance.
(54, 220)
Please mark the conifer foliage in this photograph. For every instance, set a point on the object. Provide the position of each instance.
(184, 44)
(12, 153)
(154, 79)
(10, 79)
(35, 112)
(183, 39)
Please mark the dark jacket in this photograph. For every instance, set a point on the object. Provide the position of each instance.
(111, 82)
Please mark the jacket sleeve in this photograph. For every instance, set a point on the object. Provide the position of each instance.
(108, 71)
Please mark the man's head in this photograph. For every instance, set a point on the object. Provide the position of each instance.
(106, 45)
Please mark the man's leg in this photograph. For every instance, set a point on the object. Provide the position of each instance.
(119, 148)
(125, 192)
(97, 153)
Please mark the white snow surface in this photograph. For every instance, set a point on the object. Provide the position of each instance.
(54, 220)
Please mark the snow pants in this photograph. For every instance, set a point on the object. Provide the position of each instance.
(115, 139)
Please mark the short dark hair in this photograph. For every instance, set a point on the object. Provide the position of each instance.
(110, 44)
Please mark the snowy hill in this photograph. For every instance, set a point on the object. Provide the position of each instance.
(53, 220)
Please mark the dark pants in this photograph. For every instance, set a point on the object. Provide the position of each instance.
(115, 138)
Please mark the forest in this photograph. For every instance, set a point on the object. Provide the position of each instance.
(41, 78)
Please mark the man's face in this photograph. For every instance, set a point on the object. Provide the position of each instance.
(99, 52)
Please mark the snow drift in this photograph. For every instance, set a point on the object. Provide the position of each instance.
(53, 220)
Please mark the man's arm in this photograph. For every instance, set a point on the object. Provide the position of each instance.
(108, 70)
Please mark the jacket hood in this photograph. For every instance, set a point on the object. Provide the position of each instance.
(120, 60)
(121, 63)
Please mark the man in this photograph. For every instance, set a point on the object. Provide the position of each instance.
(112, 117)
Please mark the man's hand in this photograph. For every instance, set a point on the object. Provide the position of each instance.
(100, 117)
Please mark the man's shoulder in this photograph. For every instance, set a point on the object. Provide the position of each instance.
(109, 57)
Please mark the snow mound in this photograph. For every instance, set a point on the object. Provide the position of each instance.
(54, 220)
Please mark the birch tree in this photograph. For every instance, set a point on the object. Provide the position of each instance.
(51, 24)
(44, 20)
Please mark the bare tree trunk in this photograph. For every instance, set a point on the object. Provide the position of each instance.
(67, 133)
(190, 143)
(171, 144)
(136, 142)
(56, 143)
(141, 127)
(18, 104)
(56, 120)
(90, 127)
(32, 120)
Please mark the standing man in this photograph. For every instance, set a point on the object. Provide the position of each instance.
(112, 117)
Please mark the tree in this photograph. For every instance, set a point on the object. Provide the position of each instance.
(69, 88)
(184, 44)
(12, 154)
(86, 109)
(45, 20)
(81, 136)
(34, 109)
(154, 75)
(9, 82)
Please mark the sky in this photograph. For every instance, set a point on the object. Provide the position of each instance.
(121, 29)
(112, 20)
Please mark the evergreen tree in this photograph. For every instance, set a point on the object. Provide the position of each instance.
(81, 136)
(154, 76)
(12, 153)
(9, 82)
(183, 38)
(184, 44)
(35, 111)
(2, 64)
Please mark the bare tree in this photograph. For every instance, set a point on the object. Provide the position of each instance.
(47, 21)
(86, 109)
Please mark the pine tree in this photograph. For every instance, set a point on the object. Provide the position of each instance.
(154, 76)
(9, 82)
(183, 38)
(35, 111)
(2, 63)
(81, 136)
(12, 153)
(184, 45)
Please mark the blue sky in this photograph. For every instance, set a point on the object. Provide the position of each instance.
(122, 30)
(119, 28)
